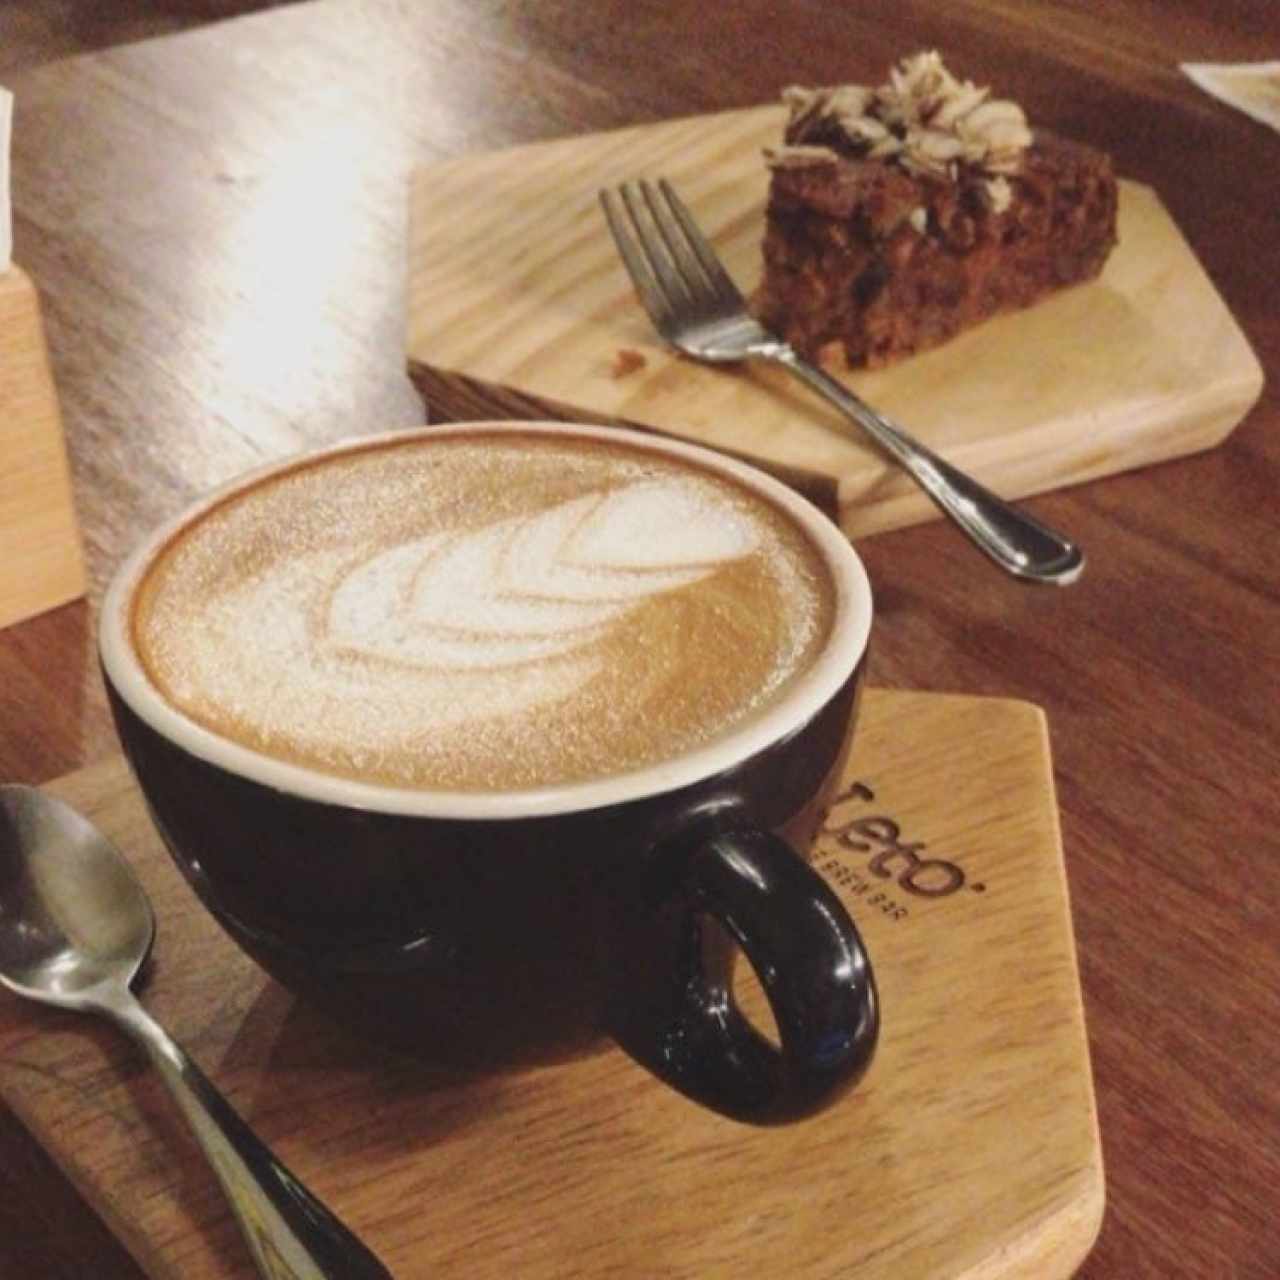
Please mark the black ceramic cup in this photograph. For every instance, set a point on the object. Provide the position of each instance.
(472, 926)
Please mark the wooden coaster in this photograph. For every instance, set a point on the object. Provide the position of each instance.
(41, 565)
(971, 1149)
(519, 306)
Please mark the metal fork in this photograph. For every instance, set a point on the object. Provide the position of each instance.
(696, 308)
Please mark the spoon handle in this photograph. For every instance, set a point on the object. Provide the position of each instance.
(291, 1235)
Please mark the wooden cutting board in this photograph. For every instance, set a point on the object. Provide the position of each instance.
(518, 306)
(971, 1148)
(41, 564)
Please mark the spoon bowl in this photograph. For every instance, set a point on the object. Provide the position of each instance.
(76, 927)
(73, 916)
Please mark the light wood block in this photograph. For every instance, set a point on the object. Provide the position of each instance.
(970, 1150)
(519, 306)
(41, 564)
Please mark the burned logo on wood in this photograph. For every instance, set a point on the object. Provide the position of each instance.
(868, 853)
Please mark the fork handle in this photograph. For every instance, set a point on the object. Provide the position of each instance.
(1016, 542)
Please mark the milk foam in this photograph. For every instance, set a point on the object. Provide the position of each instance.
(532, 587)
(483, 614)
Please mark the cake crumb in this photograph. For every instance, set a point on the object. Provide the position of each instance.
(627, 360)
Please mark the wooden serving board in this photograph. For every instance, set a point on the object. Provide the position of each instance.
(970, 1150)
(41, 564)
(520, 307)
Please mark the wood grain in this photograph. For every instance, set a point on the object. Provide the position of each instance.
(42, 565)
(217, 226)
(37, 31)
(971, 1149)
(516, 292)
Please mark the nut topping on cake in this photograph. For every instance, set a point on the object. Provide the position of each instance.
(799, 157)
(923, 119)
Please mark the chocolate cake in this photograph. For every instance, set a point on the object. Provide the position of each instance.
(899, 216)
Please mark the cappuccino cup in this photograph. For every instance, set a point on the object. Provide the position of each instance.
(498, 736)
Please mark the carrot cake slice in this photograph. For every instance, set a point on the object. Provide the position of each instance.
(901, 215)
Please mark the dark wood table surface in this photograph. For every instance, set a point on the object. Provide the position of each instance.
(216, 222)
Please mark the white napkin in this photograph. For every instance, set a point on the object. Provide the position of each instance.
(6, 222)
(1251, 87)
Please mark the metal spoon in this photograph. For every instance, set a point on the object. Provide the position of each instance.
(75, 927)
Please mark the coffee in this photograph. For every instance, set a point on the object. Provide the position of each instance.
(466, 733)
(483, 611)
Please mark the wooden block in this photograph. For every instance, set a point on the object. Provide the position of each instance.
(41, 565)
(970, 1149)
(520, 307)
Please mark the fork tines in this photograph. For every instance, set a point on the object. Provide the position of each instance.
(668, 258)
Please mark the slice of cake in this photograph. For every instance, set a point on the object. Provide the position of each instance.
(901, 215)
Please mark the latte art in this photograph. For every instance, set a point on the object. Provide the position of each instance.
(482, 612)
(531, 587)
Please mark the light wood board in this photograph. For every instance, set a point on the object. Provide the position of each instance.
(970, 1150)
(41, 564)
(519, 307)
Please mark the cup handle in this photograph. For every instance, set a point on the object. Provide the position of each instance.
(674, 1008)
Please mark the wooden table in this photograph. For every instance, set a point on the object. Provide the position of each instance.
(216, 222)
